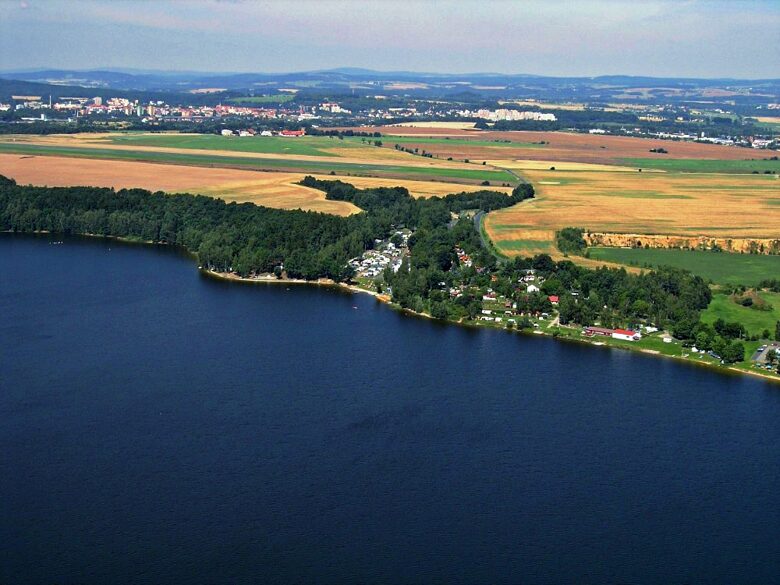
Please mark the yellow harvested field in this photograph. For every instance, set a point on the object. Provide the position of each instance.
(769, 119)
(445, 125)
(416, 188)
(716, 205)
(272, 189)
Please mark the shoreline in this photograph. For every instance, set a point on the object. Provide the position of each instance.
(326, 282)
(385, 299)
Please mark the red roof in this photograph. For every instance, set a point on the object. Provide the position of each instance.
(599, 330)
(625, 332)
(553, 298)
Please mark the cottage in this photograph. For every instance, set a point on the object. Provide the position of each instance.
(594, 331)
(553, 299)
(626, 335)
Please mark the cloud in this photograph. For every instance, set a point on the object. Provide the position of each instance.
(587, 37)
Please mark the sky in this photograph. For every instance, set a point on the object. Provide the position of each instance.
(560, 38)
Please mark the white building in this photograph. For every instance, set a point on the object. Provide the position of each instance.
(626, 335)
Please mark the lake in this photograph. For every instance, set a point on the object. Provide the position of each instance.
(161, 426)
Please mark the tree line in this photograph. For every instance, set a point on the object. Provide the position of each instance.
(242, 238)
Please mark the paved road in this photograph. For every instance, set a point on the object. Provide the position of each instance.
(485, 241)
(761, 356)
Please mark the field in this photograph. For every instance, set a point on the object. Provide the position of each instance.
(723, 307)
(453, 142)
(264, 188)
(759, 165)
(263, 99)
(305, 145)
(438, 125)
(747, 269)
(695, 190)
(641, 203)
(312, 155)
(559, 146)
(771, 122)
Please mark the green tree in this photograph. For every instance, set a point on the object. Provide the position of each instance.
(439, 311)
(734, 352)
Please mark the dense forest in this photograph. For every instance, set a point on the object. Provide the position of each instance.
(243, 238)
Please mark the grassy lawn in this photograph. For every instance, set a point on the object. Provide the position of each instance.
(754, 321)
(306, 145)
(719, 267)
(206, 160)
(708, 166)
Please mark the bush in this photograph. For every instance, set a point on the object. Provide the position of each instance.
(570, 240)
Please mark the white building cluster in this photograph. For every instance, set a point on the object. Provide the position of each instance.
(373, 262)
(511, 115)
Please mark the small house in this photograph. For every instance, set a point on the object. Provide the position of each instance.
(626, 335)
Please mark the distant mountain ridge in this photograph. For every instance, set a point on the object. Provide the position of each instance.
(370, 82)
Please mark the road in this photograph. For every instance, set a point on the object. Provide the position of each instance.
(486, 243)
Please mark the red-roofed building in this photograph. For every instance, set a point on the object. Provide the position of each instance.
(553, 299)
(292, 133)
(603, 331)
(626, 335)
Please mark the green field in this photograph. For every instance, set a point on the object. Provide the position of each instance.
(719, 267)
(207, 160)
(280, 98)
(687, 165)
(306, 145)
(755, 321)
(529, 246)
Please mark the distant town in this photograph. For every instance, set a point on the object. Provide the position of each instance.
(294, 112)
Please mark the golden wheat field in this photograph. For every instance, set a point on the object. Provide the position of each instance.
(645, 203)
(272, 189)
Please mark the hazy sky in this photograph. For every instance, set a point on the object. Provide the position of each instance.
(662, 38)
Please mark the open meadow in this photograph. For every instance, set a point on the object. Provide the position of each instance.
(754, 320)
(720, 268)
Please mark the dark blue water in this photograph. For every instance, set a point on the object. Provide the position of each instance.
(158, 426)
